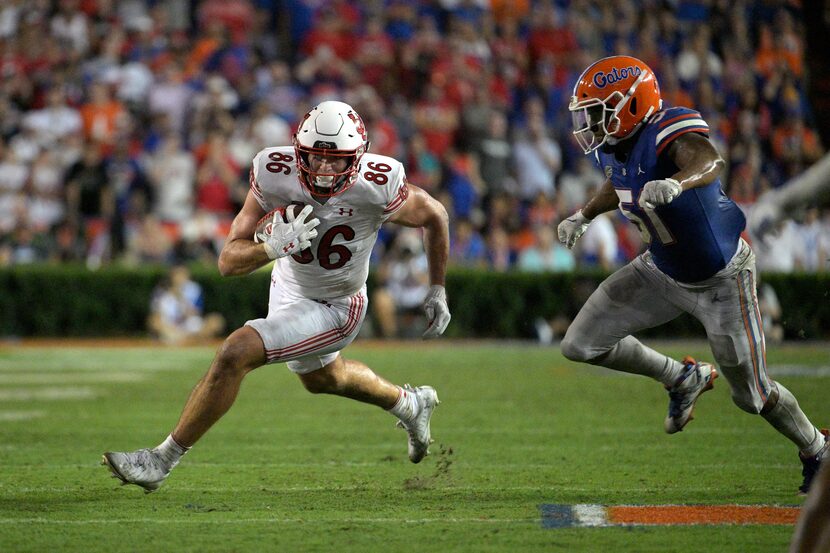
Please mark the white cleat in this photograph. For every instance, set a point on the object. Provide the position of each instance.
(418, 427)
(143, 468)
(695, 379)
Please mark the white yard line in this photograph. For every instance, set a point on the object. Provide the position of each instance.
(46, 394)
(798, 370)
(34, 378)
(14, 416)
(198, 517)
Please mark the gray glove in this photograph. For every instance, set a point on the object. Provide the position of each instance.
(437, 310)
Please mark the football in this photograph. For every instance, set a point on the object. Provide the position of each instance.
(263, 226)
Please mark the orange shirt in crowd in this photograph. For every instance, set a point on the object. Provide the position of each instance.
(101, 120)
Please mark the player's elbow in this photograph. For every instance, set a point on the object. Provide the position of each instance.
(226, 267)
(438, 216)
(718, 165)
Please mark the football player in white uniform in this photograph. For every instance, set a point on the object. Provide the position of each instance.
(318, 283)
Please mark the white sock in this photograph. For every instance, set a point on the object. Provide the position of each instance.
(631, 356)
(170, 451)
(813, 449)
(788, 418)
(407, 406)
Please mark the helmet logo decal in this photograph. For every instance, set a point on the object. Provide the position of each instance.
(358, 123)
(601, 78)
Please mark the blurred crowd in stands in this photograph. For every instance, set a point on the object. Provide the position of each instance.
(127, 127)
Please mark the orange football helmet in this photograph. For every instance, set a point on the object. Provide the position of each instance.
(611, 99)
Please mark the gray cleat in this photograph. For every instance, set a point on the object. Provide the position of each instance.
(695, 379)
(143, 468)
(418, 427)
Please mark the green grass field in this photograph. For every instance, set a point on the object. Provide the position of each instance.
(287, 471)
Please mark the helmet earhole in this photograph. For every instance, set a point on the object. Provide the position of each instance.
(633, 106)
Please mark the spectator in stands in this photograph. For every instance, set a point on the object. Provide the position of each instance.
(171, 97)
(402, 284)
(770, 308)
(810, 232)
(13, 177)
(500, 254)
(434, 79)
(53, 122)
(102, 116)
(538, 159)
(91, 202)
(217, 176)
(176, 311)
(575, 184)
(172, 173)
(495, 156)
(598, 247)
(46, 206)
(546, 254)
(467, 247)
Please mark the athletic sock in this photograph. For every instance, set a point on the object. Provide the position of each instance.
(788, 418)
(815, 447)
(170, 451)
(407, 406)
(631, 356)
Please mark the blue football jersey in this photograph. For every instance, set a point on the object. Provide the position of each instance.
(694, 236)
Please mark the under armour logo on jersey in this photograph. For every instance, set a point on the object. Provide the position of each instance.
(624, 172)
(640, 170)
(346, 211)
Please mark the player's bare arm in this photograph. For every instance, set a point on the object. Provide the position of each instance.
(240, 255)
(699, 163)
(697, 158)
(423, 211)
(603, 201)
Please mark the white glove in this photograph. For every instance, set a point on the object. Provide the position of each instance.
(659, 192)
(285, 239)
(572, 228)
(438, 313)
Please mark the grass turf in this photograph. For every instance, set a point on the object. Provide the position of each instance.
(518, 426)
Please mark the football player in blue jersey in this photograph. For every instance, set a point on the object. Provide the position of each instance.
(662, 172)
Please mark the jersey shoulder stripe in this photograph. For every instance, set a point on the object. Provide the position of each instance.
(398, 201)
(677, 122)
(255, 189)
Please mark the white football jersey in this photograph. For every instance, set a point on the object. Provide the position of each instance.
(337, 263)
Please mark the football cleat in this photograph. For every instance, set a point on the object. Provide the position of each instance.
(418, 426)
(695, 379)
(144, 468)
(812, 464)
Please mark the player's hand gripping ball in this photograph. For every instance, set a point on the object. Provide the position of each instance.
(286, 231)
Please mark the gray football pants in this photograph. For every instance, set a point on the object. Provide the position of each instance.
(640, 296)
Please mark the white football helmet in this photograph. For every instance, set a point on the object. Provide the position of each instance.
(331, 129)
